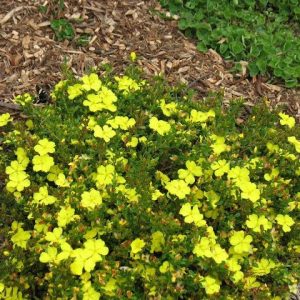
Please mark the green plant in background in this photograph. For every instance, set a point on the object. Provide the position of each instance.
(127, 188)
(264, 33)
(63, 29)
(83, 40)
(61, 4)
(43, 9)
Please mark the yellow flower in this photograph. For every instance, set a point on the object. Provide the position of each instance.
(178, 187)
(160, 126)
(55, 236)
(50, 256)
(211, 234)
(74, 91)
(274, 173)
(233, 265)
(166, 267)
(164, 179)
(121, 122)
(105, 133)
(192, 215)
(240, 242)
(22, 157)
(287, 120)
(212, 197)
(137, 245)
(239, 175)
(169, 108)
(250, 283)
(126, 84)
(219, 145)
(4, 119)
(143, 139)
(201, 117)
(94, 102)
(220, 167)
(60, 85)
(207, 247)
(20, 238)
(249, 191)
(264, 267)
(18, 182)
(66, 250)
(87, 257)
(133, 56)
(40, 226)
(104, 99)
(211, 285)
(91, 123)
(158, 241)
(105, 175)
(53, 173)
(133, 142)
(237, 276)
(44, 146)
(295, 142)
(42, 163)
(192, 170)
(65, 216)
(203, 248)
(258, 223)
(42, 197)
(129, 193)
(61, 180)
(23, 99)
(91, 199)
(89, 293)
(273, 148)
(91, 82)
(108, 98)
(285, 221)
(218, 254)
(156, 194)
(15, 167)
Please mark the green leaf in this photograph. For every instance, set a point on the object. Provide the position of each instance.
(253, 69)
(262, 65)
(201, 47)
(62, 29)
(237, 47)
(183, 24)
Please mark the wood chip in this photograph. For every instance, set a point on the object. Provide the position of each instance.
(10, 14)
(30, 55)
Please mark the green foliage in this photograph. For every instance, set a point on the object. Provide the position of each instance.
(63, 29)
(264, 33)
(131, 189)
(43, 9)
(83, 40)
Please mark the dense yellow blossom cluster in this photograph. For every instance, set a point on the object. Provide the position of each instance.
(120, 192)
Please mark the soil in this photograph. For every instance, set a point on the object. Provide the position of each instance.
(31, 57)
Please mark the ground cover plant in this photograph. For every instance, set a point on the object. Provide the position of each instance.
(264, 33)
(123, 188)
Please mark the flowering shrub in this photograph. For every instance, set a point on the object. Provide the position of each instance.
(128, 189)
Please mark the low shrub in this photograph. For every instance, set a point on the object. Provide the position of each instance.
(263, 33)
(131, 189)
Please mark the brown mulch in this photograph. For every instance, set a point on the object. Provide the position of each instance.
(30, 56)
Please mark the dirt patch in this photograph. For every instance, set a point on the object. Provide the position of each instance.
(30, 56)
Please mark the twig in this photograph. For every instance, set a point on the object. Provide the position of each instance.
(10, 105)
(94, 9)
(10, 14)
